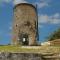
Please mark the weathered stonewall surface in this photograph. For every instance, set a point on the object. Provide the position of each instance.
(20, 56)
(25, 56)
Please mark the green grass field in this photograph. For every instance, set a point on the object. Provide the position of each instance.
(40, 49)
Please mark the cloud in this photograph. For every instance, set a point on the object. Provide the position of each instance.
(19, 1)
(3, 2)
(43, 3)
(56, 16)
(10, 27)
(43, 19)
(14, 1)
(6, 1)
(54, 19)
(40, 26)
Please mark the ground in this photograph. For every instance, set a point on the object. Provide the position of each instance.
(30, 49)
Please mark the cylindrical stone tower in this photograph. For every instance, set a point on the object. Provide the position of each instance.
(24, 24)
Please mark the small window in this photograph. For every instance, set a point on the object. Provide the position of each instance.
(16, 25)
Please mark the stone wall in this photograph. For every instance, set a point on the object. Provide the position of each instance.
(55, 42)
(24, 22)
(26, 56)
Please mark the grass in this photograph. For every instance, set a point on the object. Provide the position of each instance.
(40, 49)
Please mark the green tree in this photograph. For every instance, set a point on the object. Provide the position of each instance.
(54, 35)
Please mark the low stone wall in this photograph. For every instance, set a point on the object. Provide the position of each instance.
(20, 56)
(26, 56)
(55, 42)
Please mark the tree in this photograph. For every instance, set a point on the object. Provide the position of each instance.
(54, 35)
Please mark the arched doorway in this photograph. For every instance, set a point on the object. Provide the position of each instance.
(23, 38)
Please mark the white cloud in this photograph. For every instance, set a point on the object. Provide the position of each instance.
(19, 1)
(14, 1)
(40, 26)
(54, 19)
(6, 1)
(43, 19)
(3, 2)
(56, 15)
(10, 27)
(42, 4)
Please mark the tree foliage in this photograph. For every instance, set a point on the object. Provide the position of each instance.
(54, 35)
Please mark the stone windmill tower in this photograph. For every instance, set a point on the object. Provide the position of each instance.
(25, 24)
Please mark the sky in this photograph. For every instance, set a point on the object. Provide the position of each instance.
(48, 18)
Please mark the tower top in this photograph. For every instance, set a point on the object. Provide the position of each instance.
(32, 5)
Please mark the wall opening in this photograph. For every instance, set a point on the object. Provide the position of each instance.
(23, 38)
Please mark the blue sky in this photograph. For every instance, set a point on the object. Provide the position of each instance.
(48, 17)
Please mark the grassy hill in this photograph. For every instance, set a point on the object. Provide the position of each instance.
(28, 49)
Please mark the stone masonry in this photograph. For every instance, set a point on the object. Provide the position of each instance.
(24, 24)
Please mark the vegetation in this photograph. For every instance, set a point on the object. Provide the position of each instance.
(54, 35)
(30, 49)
